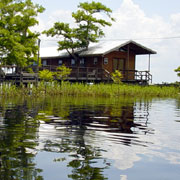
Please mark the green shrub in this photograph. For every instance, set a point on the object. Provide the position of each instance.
(62, 73)
(46, 75)
(117, 77)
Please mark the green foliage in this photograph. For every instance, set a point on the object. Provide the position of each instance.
(62, 72)
(18, 44)
(88, 27)
(46, 75)
(178, 71)
(85, 90)
(29, 70)
(17, 153)
(107, 90)
(117, 77)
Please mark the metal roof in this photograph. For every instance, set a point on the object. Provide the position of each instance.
(103, 48)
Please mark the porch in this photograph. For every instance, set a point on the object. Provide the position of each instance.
(91, 74)
(78, 74)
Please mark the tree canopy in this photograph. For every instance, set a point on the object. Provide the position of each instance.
(178, 71)
(18, 44)
(88, 29)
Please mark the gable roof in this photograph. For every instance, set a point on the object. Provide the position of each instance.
(109, 46)
(104, 48)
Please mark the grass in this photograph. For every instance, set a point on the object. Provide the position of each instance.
(94, 90)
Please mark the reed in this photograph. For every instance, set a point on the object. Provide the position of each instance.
(92, 90)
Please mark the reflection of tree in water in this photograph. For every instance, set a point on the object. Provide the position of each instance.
(178, 108)
(82, 158)
(19, 136)
(86, 157)
(17, 144)
(84, 162)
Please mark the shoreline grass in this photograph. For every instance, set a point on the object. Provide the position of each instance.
(93, 90)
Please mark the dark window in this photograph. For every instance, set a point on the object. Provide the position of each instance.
(73, 62)
(44, 62)
(60, 62)
(105, 60)
(82, 61)
(95, 60)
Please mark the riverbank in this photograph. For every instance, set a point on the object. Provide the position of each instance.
(79, 89)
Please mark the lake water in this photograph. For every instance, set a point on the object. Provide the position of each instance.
(63, 138)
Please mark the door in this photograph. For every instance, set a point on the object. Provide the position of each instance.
(118, 64)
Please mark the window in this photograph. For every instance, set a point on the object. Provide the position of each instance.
(60, 62)
(73, 62)
(44, 62)
(105, 60)
(82, 61)
(95, 60)
(35, 63)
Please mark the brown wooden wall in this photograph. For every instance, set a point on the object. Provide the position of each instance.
(89, 61)
(120, 55)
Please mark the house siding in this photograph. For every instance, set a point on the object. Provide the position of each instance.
(120, 55)
(89, 62)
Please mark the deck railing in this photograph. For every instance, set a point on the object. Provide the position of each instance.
(92, 73)
(84, 73)
(134, 75)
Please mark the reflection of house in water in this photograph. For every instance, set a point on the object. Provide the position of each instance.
(120, 121)
(110, 119)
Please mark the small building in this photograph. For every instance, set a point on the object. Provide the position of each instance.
(98, 62)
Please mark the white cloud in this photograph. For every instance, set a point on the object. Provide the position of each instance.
(61, 16)
(176, 20)
(133, 23)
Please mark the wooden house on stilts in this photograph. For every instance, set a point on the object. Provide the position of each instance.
(98, 62)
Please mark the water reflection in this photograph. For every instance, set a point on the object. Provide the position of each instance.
(18, 140)
(82, 138)
(119, 119)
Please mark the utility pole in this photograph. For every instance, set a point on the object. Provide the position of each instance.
(39, 41)
(37, 67)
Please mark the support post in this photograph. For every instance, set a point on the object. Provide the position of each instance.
(149, 65)
(128, 62)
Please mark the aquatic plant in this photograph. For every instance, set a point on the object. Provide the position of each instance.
(83, 89)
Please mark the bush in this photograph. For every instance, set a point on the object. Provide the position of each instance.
(117, 77)
(46, 75)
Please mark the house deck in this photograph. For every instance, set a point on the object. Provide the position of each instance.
(81, 74)
(89, 74)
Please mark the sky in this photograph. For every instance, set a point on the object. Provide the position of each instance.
(152, 23)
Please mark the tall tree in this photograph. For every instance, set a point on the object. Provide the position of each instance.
(89, 28)
(18, 44)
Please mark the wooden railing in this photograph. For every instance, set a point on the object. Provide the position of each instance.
(134, 75)
(82, 74)
(91, 73)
